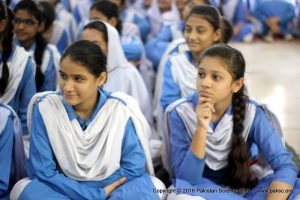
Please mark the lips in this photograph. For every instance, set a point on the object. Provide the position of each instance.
(205, 94)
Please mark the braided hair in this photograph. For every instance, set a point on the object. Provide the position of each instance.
(6, 38)
(41, 44)
(239, 172)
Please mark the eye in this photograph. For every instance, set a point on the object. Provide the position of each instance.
(79, 78)
(62, 76)
(216, 77)
(188, 29)
(201, 74)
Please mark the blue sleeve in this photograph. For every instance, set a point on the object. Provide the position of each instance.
(288, 15)
(271, 146)
(63, 42)
(156, 47)
(50, 81)
(27, 90)
(185, 164)
(170, 90)
(6, 153)
(42, 165)
(240, 13)
(143, 25)
(133, 157)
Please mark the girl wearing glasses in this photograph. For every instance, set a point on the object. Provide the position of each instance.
(17, 84)
(28, 29)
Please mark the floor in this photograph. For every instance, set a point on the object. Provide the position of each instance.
(273, 78)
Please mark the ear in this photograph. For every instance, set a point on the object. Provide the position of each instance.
(237, 85)
(41, 27)
(2, 25)
(113, 21)
(217, 35)
(102, 79)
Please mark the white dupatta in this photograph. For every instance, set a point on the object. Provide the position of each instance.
(218, 143)
(93, 154)
(16, 67)
(184, 74)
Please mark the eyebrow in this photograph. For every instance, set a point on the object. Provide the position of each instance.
(81, 75)
(214, 71)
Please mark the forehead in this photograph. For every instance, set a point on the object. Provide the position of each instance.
(70, 67)
(24, 14)
(97, 14)
(197, 20)
(213, 64)
(92, 35)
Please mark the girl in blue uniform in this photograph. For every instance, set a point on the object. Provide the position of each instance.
(212, 130)
(86, 143)
(28, 27)
(12, 165)
(275, 16)
(17, 84)
(202, 29)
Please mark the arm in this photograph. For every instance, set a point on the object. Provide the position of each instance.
(27, 90)
(63, 42)
(170, 90)
(133, 158)
(278, 157)
(156, 47)
(143, 25)
(51, 78)
(42, 165)
(186, 165)
(6, 153)
(241, 14)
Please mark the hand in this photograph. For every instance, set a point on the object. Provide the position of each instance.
(273, 23)
(111, 187)
(204, 111)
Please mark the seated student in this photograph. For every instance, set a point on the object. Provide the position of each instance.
(86, 143)
(202, 29)
(169, 33)
(211, 131)
(54, 32)
(28, 27)
(13, 164)
(119, 69)
(276, 17)
(17, 84)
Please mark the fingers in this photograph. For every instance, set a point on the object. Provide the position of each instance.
(205, 102)
(111, 187)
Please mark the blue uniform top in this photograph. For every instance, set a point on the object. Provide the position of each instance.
(170, 89)
(6, 154)
(24, 93)
(50, 78)
(160, 43)
(42, 164)
(261, 133)
(142, 23)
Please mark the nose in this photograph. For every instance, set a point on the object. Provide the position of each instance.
(68, 86)
(206, 82)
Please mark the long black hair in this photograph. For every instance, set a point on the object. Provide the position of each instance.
(6, 38)
(36, 11)
(238, 159)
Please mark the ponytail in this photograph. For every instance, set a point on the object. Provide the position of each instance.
(7, 45)
(38, 57)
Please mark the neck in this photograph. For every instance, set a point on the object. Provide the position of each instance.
(85, 110)
(220, 108)
(26, 44)
(196, 57)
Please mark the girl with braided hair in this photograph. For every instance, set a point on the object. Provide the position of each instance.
(28, 28)
(17, 84)
(212, 131)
